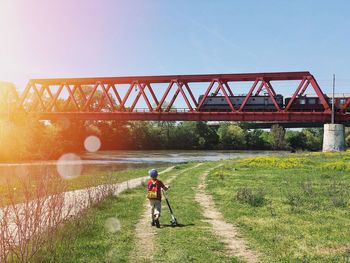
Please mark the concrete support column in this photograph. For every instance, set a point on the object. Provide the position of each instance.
(334, 138)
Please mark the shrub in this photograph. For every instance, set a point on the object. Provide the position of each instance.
(252, 197)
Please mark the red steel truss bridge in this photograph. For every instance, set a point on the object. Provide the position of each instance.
(179, 98)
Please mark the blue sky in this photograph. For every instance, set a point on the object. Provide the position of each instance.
(67, 38)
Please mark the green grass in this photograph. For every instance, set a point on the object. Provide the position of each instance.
(16, 185)
(194, 242)
(293, 208)
(88, 239)
(92, 242)
(304, 211)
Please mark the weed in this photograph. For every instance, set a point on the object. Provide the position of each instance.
(339, 201)
(307, 188)
(272, 210)
(252, 197)
(338, 194)
(221, 173)
(346, 256)
(295, 201)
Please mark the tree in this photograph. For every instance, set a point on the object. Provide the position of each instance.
(231, 136)
(208, 137)
(277, 137)
(314, 138)
(296, 140)
(184, 136)
(8, 99)
(165, 129)
(142, 136)
(258, 139)
(347, 137)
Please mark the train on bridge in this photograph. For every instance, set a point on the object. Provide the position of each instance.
(263, 103)
(175, 98)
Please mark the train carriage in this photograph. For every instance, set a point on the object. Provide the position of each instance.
(254, 103)
(264, 103)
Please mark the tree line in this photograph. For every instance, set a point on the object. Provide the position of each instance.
(24, 138)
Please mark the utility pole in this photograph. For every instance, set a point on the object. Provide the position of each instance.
(333, 98)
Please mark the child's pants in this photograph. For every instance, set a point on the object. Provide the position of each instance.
(156, 207)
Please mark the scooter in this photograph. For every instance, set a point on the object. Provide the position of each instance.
(173, 218)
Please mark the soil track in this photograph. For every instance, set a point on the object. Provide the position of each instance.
(145, 233)
(227, 233)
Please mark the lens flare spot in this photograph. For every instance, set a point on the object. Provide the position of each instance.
(69, 166)
(64, 123)
(112, 225)
(92, 144)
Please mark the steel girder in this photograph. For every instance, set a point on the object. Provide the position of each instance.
(101, 98)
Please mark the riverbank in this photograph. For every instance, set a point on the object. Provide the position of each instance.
(286, 209)
(103, 167)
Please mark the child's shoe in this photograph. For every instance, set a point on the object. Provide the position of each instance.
(157, 223)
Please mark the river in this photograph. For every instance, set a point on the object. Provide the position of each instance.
(107, 161)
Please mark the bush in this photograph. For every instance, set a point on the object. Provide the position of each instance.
(252, 197)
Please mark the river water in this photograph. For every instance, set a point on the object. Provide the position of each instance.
(107, 161)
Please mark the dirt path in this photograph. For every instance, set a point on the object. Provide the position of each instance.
(145, 233)
(228, 233)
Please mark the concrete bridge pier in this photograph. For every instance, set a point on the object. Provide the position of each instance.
(334, 138)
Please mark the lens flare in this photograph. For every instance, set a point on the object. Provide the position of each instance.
(112, 225)
(64, 123)
(92, 144)
(69, 166)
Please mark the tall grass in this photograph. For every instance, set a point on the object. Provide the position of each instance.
(25, 227)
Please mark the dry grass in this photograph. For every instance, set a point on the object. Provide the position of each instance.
(26, 226)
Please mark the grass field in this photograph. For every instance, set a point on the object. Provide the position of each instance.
(193, 242)
(88, 240)
(289, 209)
(293, 209)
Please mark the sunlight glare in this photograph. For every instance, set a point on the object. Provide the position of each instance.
(112, 225)
(64, 123)
(69, 166)
(92, 144)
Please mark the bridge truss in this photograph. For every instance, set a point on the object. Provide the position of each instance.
(118, 98)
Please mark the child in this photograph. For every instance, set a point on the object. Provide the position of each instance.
(155, 196)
